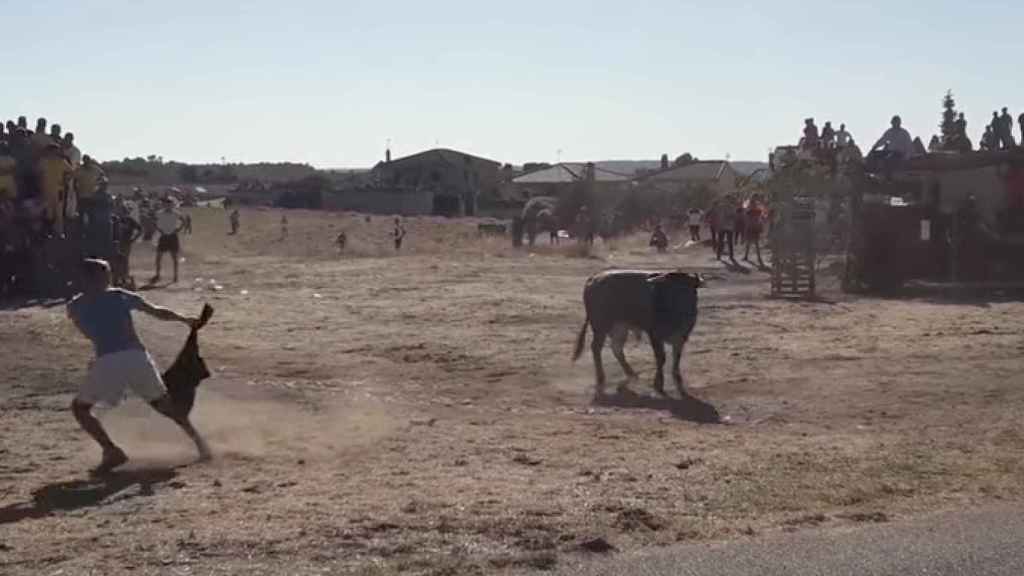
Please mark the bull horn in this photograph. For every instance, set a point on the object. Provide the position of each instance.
(657, 279)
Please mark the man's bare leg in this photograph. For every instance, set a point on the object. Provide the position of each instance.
(112, 455)
(174, 256)
(166, 407)
(159, 261)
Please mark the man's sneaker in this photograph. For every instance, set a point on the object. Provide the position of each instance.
(111, 459)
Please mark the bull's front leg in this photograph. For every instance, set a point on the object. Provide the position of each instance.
(659, 362)
(677, 373)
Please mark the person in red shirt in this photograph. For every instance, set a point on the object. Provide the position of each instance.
(754, 229)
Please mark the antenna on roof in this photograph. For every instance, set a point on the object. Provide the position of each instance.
(558, 155)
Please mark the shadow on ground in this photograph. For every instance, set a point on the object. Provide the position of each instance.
(688, 407)
(75, 494)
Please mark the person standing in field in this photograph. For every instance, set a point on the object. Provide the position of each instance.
(398, 234)
(168, 223)
(235, 220)
(712, 219)
(284, 226)
(341, 241)
(694, 218)
(126, 230)
(755, 228)
(103, 315)
(740, 225)
(726, 226)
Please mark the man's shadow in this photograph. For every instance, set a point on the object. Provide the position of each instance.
(688, 407)
(75, 494)
(732, 265)
(155, 285)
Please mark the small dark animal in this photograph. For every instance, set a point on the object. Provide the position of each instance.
(662, 305)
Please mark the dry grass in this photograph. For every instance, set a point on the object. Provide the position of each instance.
(417, 413)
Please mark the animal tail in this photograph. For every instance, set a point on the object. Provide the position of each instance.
(581, 340)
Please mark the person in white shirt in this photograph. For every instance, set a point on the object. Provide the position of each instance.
(694, 218)
(168, 223)
(896, 141)
(842, 137)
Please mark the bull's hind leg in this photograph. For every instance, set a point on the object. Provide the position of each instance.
(619, 335)
(595, 349)
(677, 357)
(659, 362)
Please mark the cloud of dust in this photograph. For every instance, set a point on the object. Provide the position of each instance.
(253, 428)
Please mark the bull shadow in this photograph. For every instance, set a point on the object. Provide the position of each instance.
(76, 494)
(687, 407)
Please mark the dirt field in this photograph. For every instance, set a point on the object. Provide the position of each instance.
(380, 414)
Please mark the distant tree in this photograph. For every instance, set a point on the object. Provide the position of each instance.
(685, 159)
(532, 166)
(948, 124)
(664, 161)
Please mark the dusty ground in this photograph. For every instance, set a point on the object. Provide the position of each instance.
(378, 414)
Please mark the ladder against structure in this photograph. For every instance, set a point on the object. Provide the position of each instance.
(793, 255)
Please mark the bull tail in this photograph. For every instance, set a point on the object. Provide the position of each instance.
(581, 340)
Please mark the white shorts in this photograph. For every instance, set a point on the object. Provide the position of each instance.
(111, 375)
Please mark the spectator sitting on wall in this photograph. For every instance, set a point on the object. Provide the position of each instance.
(828, 136)
(89, 181)
(843, 138)
(71, 152)
(810, 140)
(40, 140)
(8, 169)
(896, 142)
(53, 173)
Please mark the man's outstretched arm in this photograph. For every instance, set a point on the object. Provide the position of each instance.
(161, 313)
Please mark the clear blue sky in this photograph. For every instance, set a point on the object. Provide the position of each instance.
(329, 82)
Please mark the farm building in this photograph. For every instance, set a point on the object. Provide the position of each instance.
(439, 181)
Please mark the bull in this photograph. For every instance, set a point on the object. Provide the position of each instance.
(662, 305)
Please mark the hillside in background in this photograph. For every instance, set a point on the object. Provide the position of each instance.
(154, 171)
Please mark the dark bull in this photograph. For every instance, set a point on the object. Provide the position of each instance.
(662, 305)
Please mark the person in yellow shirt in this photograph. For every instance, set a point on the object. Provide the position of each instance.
(40, 140)
(8, 167)
(89, 181)
(53, 172)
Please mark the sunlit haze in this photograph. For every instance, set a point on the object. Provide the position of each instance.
(330, 83)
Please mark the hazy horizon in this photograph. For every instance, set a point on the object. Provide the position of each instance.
(330, 84)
